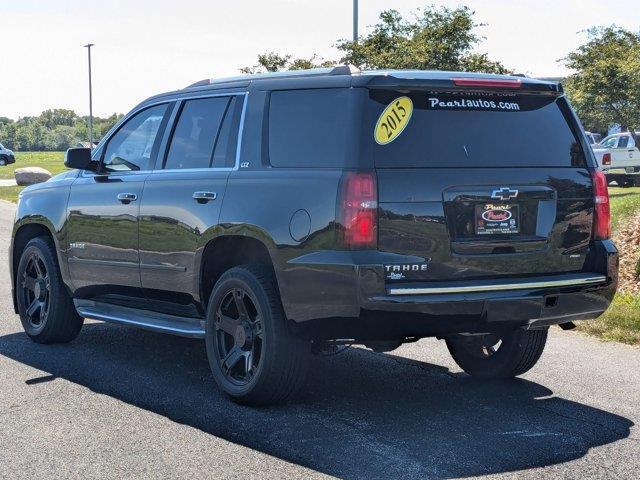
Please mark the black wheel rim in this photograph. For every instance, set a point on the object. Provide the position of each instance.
(238, 336)
(36, 291)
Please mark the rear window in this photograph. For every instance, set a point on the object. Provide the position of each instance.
(472, 130)
(309, 128)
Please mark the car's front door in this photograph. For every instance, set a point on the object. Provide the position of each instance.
(182, 200)
(103, 208)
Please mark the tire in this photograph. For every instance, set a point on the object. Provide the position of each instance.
(628, 181)
(254, 357)
(3, 161)
(518, 351)
(38, 280)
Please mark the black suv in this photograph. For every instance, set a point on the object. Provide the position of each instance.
(284, 214)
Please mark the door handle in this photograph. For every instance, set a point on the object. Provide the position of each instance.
(127, 198)
(204, 197)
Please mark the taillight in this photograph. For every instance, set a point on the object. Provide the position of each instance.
(602, 208)
(487, 82)
(606, 159)
(359, 210)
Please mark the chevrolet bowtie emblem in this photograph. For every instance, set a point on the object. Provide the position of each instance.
(504, 193)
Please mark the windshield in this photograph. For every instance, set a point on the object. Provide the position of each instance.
(467, 129)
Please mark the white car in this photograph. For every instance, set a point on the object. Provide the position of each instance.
(593, 138)
(619, 158)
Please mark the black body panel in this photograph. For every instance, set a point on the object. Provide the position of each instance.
(147, 256)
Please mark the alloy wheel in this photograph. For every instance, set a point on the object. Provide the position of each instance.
(238, 336)
(36, 291)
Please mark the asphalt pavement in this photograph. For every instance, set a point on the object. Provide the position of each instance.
(124, 403)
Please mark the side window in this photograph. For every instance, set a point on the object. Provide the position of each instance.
(309, 128)
(610, 142)
(205, 134)
(132, 147)
(623, 142)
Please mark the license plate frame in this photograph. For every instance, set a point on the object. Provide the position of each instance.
(497, 219)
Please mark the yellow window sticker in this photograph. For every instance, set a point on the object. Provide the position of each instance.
(393, 120)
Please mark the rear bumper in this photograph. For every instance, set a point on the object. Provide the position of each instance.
(350, 299)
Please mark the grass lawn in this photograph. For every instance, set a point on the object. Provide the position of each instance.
(52, 161)
(620, 323)
(624, 202)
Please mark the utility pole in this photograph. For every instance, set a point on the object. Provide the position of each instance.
(88, 47)
(355, 21)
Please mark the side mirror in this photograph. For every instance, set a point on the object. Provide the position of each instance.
(80, 158)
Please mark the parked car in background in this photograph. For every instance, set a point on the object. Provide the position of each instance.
(594, 138)
(6, 156)
(619, 158)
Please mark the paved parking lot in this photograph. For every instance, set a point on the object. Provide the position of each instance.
(123, 403)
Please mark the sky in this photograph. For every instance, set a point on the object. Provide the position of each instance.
(144, 47)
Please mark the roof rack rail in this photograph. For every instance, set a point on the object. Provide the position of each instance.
(337, 70)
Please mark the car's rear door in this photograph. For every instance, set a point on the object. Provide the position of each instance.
(103, 208)
(182, 199)
(480, 184)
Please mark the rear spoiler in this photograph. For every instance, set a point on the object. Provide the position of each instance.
(456, 81)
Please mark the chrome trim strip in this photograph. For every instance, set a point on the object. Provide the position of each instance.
(241, 130)
(160, 266)
(498, 287)
(105, 263)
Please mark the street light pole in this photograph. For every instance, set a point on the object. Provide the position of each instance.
(355, 21)
(88, 47)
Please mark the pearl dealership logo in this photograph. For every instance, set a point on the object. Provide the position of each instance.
(497, 214)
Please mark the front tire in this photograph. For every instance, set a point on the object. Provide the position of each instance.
(498, 356)
(46, 310)
(254, 357)
(3, 161)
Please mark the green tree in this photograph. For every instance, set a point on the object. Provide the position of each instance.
(605, 88)
(274, 62)
(435, 38)
(57, 116)
(56, 129)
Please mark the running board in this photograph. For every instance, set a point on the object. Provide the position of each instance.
(145, 319)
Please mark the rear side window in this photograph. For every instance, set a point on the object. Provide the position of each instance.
(308, 128)
(623, 142)
(467, 129)
(204, 135)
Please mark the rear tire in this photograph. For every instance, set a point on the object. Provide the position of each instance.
(46, 310)
(3, 161)
(254, 357)
(498, 356)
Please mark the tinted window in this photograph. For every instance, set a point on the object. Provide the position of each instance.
(196, 133)
(476, 130)
(308, 128)
(610, 142)
(623, 142)
(132, 147)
